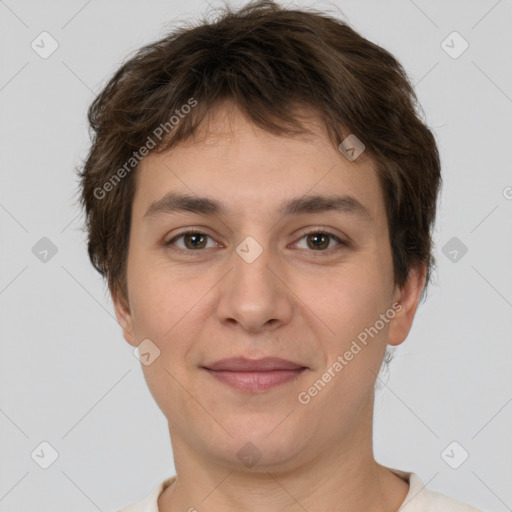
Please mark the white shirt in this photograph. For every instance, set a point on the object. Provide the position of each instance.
(418, 499)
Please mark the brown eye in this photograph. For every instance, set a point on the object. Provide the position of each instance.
(321, 240)
(192, 240)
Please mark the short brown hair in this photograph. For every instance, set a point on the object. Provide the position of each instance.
(267, 60)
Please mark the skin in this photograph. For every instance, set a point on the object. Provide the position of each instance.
(294, 301)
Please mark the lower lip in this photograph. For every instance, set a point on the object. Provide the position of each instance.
(255, 381)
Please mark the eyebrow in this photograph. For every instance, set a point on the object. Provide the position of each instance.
(175, 203)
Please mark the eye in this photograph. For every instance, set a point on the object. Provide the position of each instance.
(193, 240)
(319, 240)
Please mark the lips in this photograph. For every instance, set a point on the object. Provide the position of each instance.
(250, 375)
(242, 364)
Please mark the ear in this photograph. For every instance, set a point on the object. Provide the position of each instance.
(123, 315)
(408, 297)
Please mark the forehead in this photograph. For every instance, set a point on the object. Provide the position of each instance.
(240, 167)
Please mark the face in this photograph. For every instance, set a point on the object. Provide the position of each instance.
(259, 276)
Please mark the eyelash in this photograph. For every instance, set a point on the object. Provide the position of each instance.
(314, 231)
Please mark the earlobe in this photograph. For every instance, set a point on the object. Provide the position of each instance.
(124, 317)
(408, 296)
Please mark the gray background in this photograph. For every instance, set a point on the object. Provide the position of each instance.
(68, 377)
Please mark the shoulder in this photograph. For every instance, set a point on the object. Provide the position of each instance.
(150, 503)
(437, 501)
(420, 499)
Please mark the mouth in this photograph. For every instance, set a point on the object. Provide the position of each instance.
(255, 381)
(254, 375)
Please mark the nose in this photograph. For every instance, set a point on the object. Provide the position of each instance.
(254, 295)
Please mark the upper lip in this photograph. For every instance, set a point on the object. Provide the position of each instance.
(242, 364)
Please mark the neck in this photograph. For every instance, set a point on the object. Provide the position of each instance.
(341, 475)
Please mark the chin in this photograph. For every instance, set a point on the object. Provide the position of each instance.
(258, 447)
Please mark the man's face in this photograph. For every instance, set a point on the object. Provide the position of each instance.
(305, 298)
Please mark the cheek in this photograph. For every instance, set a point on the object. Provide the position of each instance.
(164, 307)
(351, 308)
(167, 306)
(356, 293)
(152, 299)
